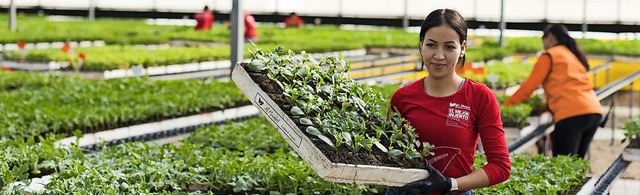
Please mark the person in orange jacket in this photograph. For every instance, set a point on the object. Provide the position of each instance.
(203, 19)
(562, 70)
(293, 21)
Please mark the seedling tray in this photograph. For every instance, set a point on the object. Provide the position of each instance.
(330, 171)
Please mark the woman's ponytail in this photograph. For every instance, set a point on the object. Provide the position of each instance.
(573, 47)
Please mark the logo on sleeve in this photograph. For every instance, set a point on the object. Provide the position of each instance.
(458, 115)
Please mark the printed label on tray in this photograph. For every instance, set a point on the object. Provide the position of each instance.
(278, 119)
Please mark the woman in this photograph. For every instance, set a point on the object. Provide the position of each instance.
(562, 71)
(451, 112)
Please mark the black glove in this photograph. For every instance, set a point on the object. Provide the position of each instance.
(436, 182)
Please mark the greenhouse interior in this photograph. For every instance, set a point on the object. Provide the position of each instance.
(304, 96)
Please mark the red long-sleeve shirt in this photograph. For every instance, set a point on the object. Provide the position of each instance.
(453, 124)
(293, 21)
(203, 20)
(250, 31)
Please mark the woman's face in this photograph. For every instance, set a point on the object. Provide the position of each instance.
(441, 50)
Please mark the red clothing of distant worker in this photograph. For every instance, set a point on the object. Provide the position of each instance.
(250, 32)
(204, 20)
(293, 21)
(453, 124)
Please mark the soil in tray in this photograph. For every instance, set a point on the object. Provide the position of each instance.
(342, 154)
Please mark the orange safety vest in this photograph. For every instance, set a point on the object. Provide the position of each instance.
(565, 82)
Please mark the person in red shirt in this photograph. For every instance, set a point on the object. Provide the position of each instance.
(250, 32)
(293, 21)
(203, 19)
(452, 113)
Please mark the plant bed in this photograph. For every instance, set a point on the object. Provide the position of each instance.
(341, 155)
(540, 175)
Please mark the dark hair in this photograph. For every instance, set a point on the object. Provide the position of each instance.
(292, 13)
(561, 34)
(206, 7)
(445, 16)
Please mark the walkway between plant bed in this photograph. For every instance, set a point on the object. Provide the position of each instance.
(158, 130)
(602, 153)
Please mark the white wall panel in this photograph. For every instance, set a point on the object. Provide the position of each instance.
(20, 3)
(182, 5)
(380, 8)
(515, 10)
(66, 4)
(419, 9)
(259, 6)
(600, 11)
(123, 4)
(490, 10)
(565, 10)
(524, 10)
(630, 12)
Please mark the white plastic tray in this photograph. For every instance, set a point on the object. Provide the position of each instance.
(336, 172)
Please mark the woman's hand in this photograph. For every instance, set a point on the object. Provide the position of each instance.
(436, 182)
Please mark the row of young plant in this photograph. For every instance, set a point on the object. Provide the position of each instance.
(530, 45)
(501, 75)
(119, 56)
(38, 109)
(114, 57)
(539, 174)
(64, 104)
(33, 29)
(93, 179)
(243, 157)
(516, 115)
(251, 157)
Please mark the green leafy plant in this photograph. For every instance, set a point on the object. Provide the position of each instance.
(539, 175)
(320, 91)
(515, 115)
(632, 132)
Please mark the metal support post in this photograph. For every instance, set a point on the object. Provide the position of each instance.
(12, 16)
(405, 17)
(237, 33)
(503, 24)
(613, 116)
(92, 10)
(584, 19)
(631, 100)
